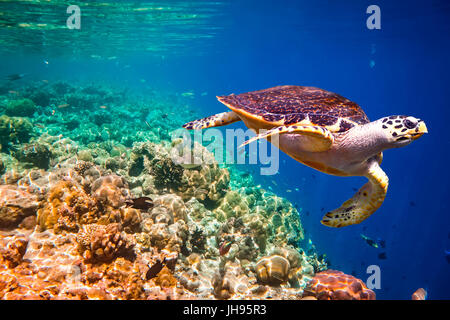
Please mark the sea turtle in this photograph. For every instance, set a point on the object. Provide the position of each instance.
(327, 132)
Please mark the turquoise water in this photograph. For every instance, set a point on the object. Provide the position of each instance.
(136, 71)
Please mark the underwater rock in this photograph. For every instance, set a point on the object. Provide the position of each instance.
(15, 205)
(272, 270)
(230, 281)
(2, 167)
(14, 130)
(14, 251)
(20, 108)
(37, 154)
(336, 285)
(100, 243)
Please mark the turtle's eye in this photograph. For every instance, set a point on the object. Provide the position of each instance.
(409, 124)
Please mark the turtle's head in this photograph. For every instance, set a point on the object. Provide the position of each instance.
(402, 130)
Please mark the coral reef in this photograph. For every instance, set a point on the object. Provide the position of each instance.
(336, 285)
(20, 108)
(14, 130)
(98, 205)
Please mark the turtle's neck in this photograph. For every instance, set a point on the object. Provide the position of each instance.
(364, 141)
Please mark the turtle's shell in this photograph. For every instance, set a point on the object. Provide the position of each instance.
(297, 105)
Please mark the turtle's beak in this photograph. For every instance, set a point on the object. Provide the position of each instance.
(420, 129)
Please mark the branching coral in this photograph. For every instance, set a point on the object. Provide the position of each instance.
(100, 243)
(167, 174)
(67, 207)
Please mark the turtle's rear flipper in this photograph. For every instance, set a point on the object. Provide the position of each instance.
(217, 120)
(365, 202)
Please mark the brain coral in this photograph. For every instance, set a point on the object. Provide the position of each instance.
(110, 190)
(336, 285)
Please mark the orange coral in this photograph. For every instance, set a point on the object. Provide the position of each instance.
(67, 205)
(99, 243)
(336, 285)
(110, 190)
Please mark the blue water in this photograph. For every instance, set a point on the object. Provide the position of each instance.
(401, 69)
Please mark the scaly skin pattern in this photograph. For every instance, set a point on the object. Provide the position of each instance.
(220, 119)
(365, 202)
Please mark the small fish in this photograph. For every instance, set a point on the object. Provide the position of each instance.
(288, 190)
(44, 81)
(412, 203)
(188, 94)
(64, 105)
(103, 107)
(46, 62)
(369, 241)
(225, 247)
(39, 125)
(53, 112)
(155, 269)
(13, 92)
(382, 256)
(297, 189)
(419, 294)
(142, 203)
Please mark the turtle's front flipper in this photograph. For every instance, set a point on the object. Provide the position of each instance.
(365, 202)
(321, 138)
(217, 120)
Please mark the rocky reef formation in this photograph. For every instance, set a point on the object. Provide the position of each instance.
(76, 223)
(336, 285)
